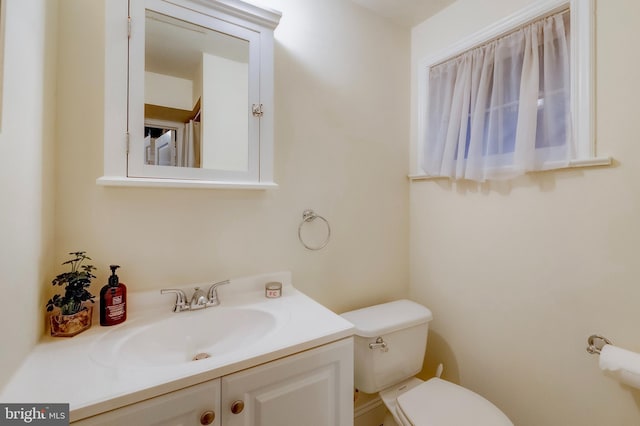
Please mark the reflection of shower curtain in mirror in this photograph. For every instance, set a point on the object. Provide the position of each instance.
(189, 152)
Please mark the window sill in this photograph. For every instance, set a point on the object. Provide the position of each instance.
(574, 164)
(181, 183)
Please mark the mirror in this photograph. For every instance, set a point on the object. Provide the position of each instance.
(190, 93)
(196, 94)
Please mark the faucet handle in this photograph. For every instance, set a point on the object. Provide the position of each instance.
(181, 299)
(213, 293)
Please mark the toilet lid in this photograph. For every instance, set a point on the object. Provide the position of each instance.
(437, 402)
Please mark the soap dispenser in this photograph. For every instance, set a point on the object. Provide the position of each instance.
(113, 300)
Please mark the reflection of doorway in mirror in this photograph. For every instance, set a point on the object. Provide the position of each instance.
(160, 146)
(175, 144)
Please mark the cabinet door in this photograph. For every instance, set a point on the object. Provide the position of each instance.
(312, 388)
(192, 406)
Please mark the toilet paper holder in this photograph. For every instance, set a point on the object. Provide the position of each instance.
(617, 363)
(596, 342)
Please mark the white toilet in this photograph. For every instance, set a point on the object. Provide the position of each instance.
(390, 343)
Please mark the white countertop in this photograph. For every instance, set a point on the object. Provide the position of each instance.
(68, 370)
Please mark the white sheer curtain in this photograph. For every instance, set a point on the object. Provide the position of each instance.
(502, 109)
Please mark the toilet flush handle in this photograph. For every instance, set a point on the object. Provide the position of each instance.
(379, 344)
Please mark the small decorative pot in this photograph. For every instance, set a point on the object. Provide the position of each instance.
(70, 325)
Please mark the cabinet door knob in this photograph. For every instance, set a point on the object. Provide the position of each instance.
(207, 417)
(237, 407)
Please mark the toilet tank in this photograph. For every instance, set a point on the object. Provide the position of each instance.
(390, 341)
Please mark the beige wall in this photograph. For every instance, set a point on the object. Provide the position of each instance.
(519, 276)
(26, 142)
(341, 90)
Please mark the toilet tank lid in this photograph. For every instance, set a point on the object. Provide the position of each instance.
(385, 318)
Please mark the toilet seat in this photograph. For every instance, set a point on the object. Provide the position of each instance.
(437, 402)
(390, 395)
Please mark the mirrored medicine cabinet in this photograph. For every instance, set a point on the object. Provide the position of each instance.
(188, 94)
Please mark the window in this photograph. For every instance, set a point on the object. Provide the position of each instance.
(513, 99)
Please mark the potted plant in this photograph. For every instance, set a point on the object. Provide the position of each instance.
(74, 314)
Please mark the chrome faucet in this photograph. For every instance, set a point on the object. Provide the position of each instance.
(213, 293)
(199, 299)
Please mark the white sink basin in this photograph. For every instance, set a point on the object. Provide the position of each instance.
(186, 336)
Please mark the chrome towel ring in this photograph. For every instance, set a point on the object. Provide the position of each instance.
(310, 216)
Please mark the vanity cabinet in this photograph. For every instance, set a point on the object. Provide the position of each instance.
(195, 405)
(311, 388)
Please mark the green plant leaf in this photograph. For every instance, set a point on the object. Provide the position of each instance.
(76, 282)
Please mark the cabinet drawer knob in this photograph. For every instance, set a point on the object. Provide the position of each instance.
(207, 417)
(237, 407)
